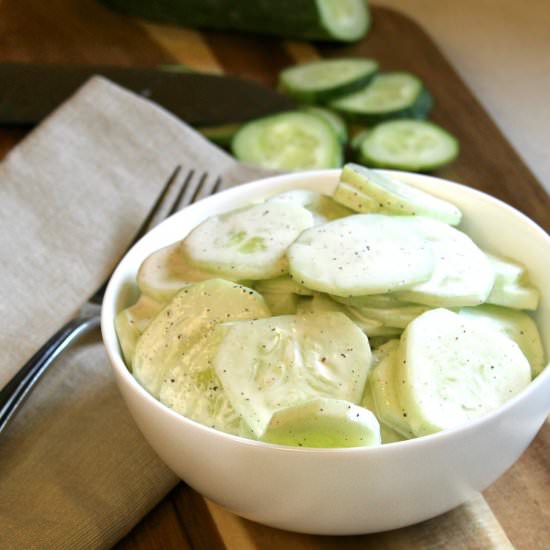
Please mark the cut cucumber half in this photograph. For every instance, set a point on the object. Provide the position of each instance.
(293, 140)
(362, 254)
(517, 325)
(396, 197)
(334, 120)
(462, 276)
(320, 81)
(323, 423)
(387, 96)
(180, 330)
(452, 370)
(275, 363)
(413, 145)
(248, 243)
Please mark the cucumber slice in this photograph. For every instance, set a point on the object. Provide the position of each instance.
(387, 96)
(323, 423)
(413, 145)
(164, 272)
(383, 385)
(387, 435)
(506, 270)
(281, 304)
(320, 81)
(248, 243)
(292, 140)
(517, 325)
(322, 303)
(192, 388)
(453, 370)
(511, 288)
(181, 329)
(397, 317)
(362, 254)
(275, 363)
(384, 301)
(395, 197)
(355, 200)
(463, 275)
(334, 120)
(282, 285)
(322, 207)
(515, 296)
(131, 322)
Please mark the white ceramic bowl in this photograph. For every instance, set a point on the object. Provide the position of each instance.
(343, 491)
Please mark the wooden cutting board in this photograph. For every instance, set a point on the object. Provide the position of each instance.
(514, 511)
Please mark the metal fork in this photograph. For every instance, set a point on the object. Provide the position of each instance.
(179, 191)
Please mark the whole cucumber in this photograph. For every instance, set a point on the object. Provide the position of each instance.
(333, 20)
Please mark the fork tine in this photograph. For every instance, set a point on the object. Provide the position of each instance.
(152, 216)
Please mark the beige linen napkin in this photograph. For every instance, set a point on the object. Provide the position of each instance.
(74, 470)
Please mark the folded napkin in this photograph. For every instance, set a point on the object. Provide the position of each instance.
(74, 470)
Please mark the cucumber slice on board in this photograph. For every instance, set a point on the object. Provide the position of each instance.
(517, 325)
(331, 20)
(362, 254)
(387, 96)
(462, 276)
(323, 423)
(396, 197)
(293, 140)
(413, 145)
(180, 330)
(452, 370)
(334, 120)
(131, 322)
(275, 363)
(320, 81)
(247, 243)
(323, 207)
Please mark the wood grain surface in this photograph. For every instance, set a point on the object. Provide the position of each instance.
(515, 511)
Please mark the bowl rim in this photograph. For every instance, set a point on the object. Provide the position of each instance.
(117, 363)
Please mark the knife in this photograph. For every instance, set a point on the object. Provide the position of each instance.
(29, 92)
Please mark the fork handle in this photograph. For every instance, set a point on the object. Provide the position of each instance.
(13, 395)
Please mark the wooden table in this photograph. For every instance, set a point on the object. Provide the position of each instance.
(514, 511)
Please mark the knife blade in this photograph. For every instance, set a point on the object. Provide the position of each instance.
(29, 92)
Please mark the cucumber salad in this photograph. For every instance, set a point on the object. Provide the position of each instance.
(354, 320)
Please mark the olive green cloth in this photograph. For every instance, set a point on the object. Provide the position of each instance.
(74, 470)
